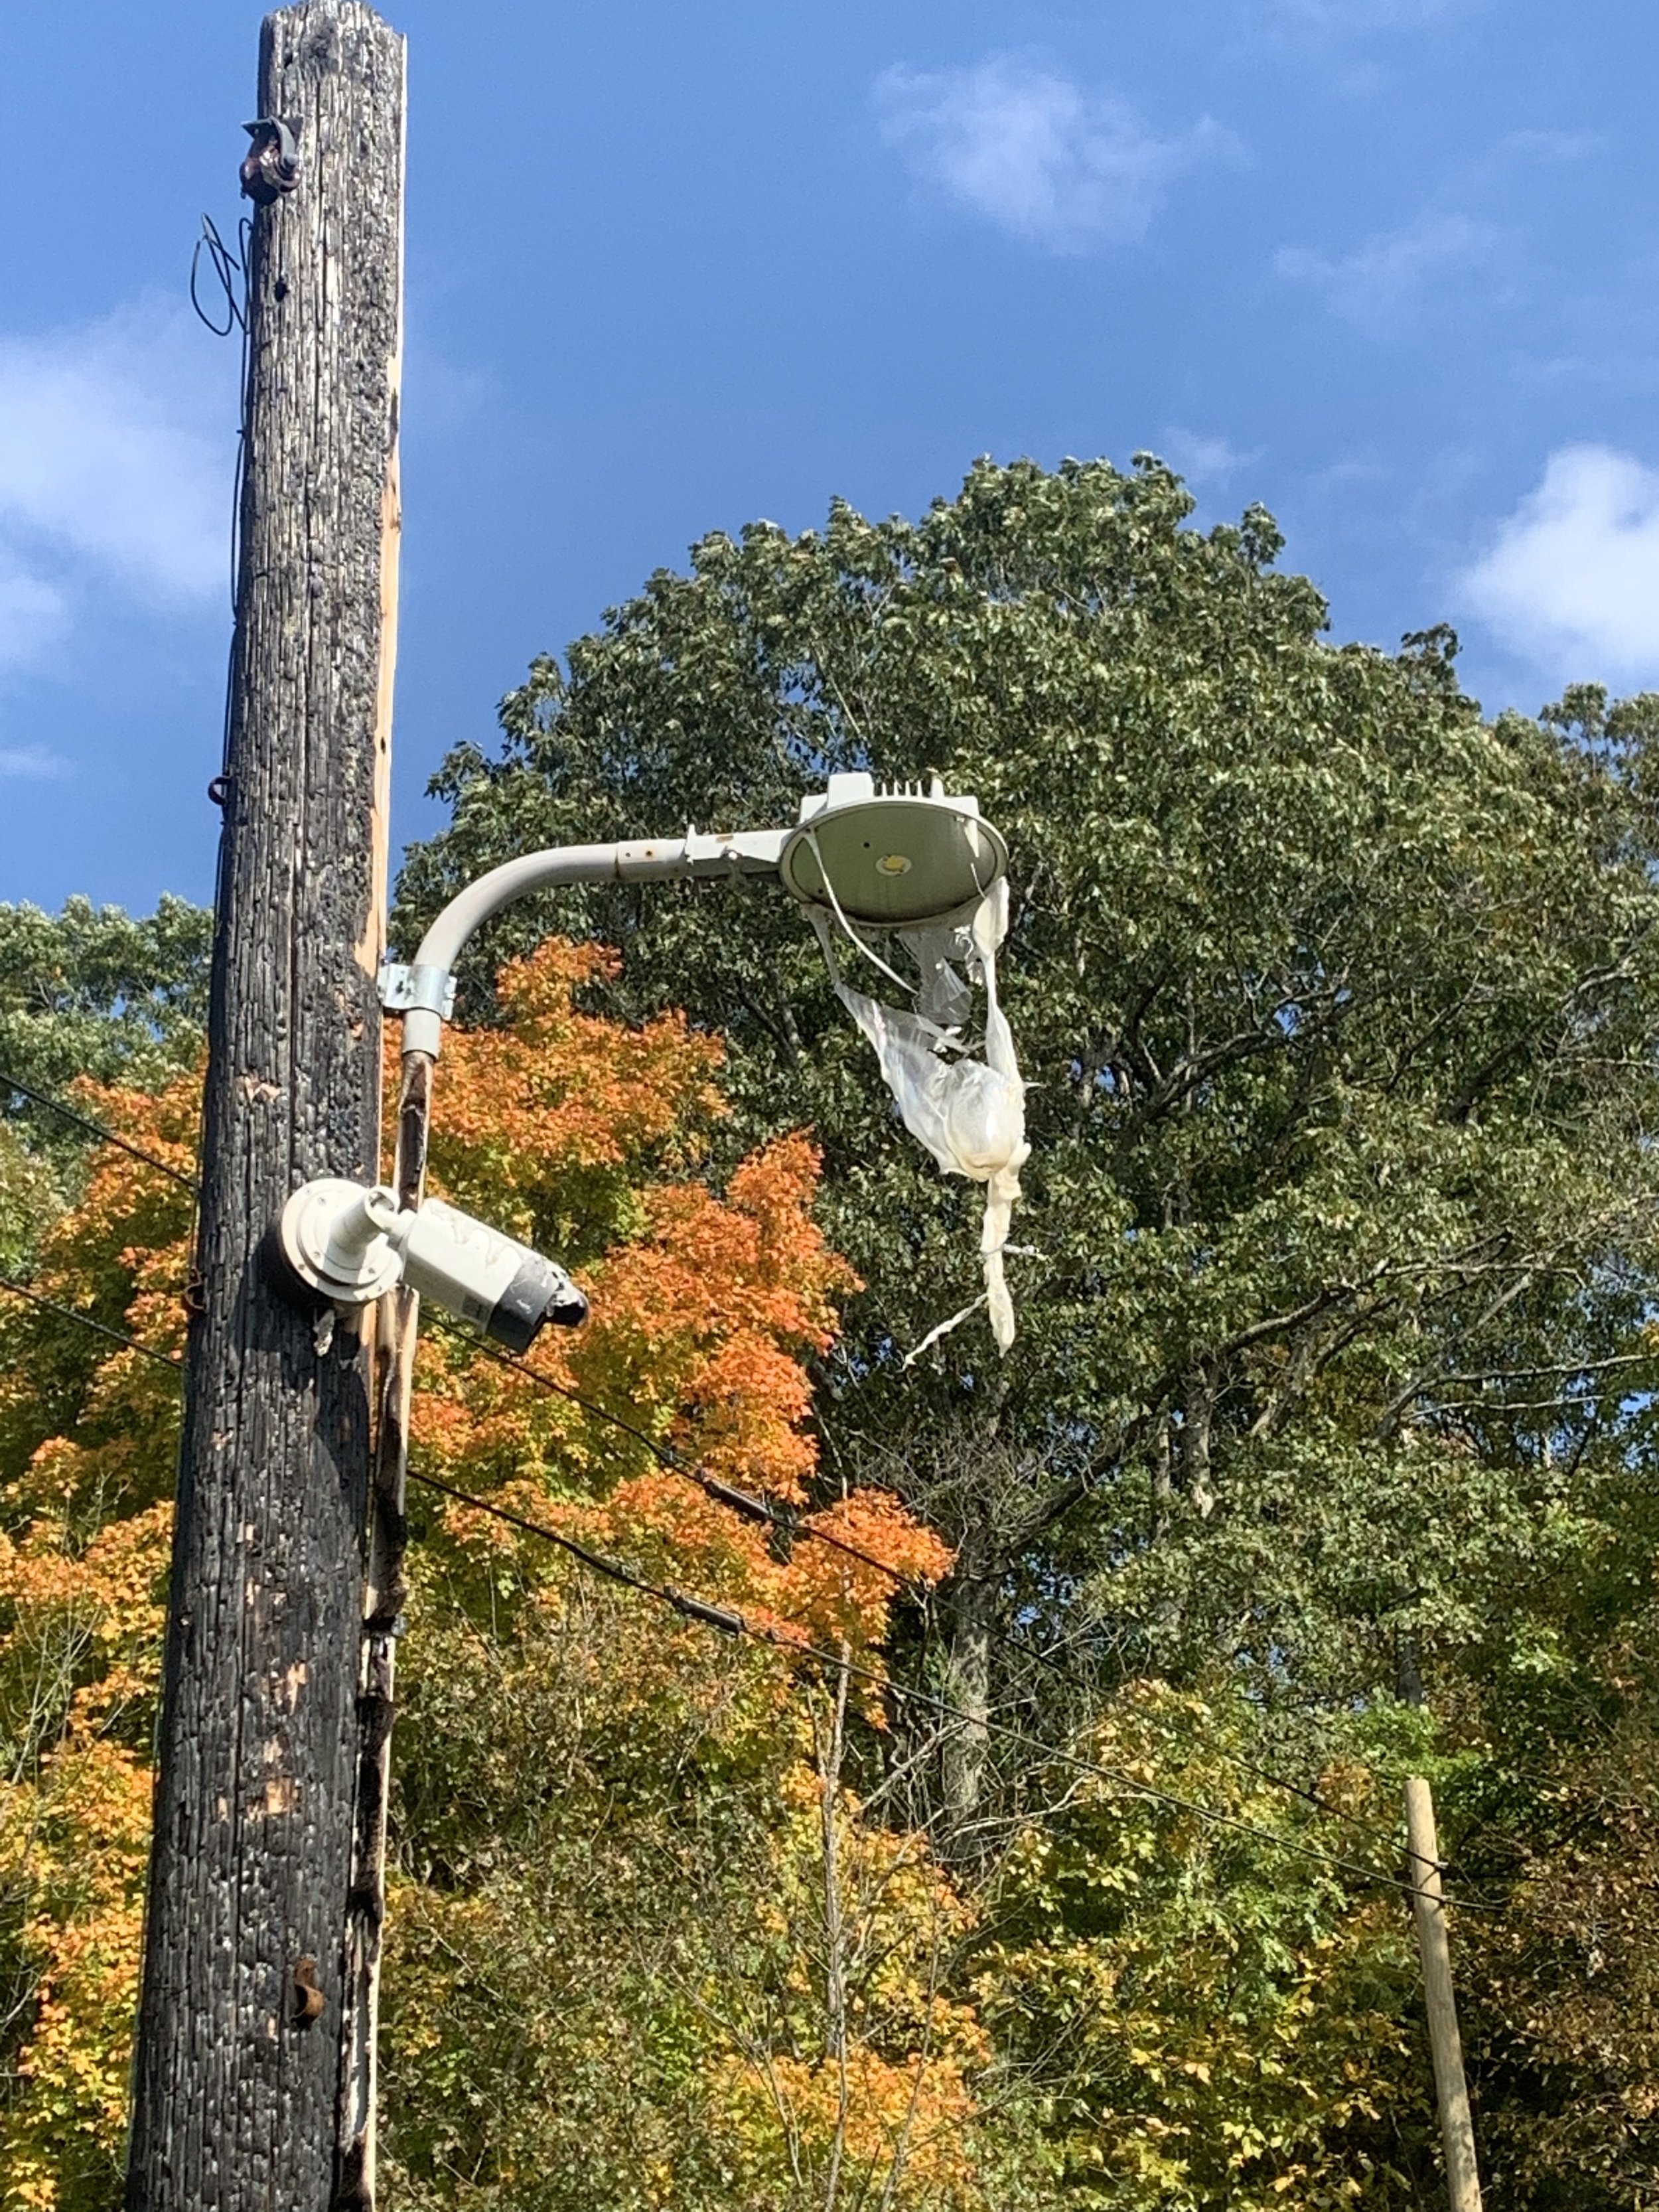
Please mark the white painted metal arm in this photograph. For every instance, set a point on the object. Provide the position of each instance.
(425, 991)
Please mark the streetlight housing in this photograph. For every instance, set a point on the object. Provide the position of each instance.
(902, 859)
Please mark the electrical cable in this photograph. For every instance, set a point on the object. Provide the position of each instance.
(97, 1129)
(749, 1506)
(731, 1622)
(225, 266)
(88, 1320)
(744, 1503)
(763, 1512)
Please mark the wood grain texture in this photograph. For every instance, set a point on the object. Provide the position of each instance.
(1451, 2089)
(237, 2081)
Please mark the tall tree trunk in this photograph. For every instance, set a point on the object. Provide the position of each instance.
(971, 1597)
(1197, 1424)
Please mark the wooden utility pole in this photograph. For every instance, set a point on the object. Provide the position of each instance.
(237, 2082)
(1451, 2090)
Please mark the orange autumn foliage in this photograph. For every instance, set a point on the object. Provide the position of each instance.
(89, 1437)
(578, 1133)
(700, 1320)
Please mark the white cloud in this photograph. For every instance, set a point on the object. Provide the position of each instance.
(1378, 284)
(1052, 164)
(116, 448)
(1201, 459)
(33, 763)
(1571, 579)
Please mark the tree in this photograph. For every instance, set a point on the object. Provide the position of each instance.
(1325, 1453)
(91, 993)
(587, 1136)
(1339, 1007)
(96, 992)
(89, 1439)
(623, 1844)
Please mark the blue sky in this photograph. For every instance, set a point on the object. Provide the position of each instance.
(1389, 266)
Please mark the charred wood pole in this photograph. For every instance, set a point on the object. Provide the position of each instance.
(240, 2081)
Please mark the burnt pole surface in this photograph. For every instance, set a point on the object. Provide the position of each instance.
(237, 2082)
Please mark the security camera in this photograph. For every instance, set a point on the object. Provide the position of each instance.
(349, 1244)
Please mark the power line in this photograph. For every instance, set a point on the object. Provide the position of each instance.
(226, 266)
(764, 1512)
(98, 1129)
(87, 1320)
(760, 1510)
(746, 1503)
(731, 1622)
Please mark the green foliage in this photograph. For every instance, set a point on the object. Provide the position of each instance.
(1338, 1003)
(576, 1863)
(30, 1197)
(96, 992)
(1339, 1007)
(1198, 2020)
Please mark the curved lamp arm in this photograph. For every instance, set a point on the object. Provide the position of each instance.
(425, 991)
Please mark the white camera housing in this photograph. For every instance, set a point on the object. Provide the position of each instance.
(350, 1243)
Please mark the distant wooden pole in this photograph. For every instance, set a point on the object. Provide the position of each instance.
(237, 2090)
(1451, 2090)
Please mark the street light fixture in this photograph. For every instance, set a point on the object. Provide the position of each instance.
(901, 859)
(895, 860)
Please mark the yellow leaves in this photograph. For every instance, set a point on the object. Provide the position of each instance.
(85, 1427)
(111, 1588)
(69, 2123)
(87, 1435)
(78, 1658)
(898, 2131)
(73, 1851)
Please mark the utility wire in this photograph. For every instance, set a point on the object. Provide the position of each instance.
(730, 1622)
(763, 1512)
(87, 1320)
(97, 1129)
(745, 1502)
(227, 267)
